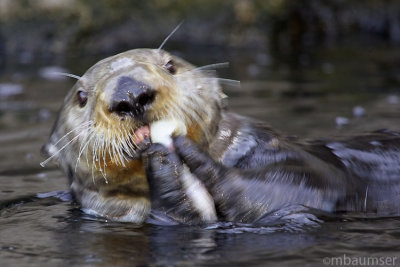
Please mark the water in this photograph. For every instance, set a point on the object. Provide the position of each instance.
(40, 225)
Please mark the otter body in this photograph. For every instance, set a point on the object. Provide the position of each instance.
(252, 171)
(221, 167)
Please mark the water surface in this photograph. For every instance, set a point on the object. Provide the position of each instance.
(330, 96)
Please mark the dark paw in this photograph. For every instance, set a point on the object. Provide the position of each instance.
(163, 169)
(199, 162)
(168, 182)
(158, 156)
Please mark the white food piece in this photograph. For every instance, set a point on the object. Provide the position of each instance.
(162, 130)
(198, 195)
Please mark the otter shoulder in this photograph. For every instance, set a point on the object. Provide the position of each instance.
(246, 143)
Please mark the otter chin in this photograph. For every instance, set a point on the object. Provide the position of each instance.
(146, 133)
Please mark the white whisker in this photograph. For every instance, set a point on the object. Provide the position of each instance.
(67, 74)
(211, 66)
(73, 130)
(229, 82)
(169, 36)
(86, 142)
(43, 163)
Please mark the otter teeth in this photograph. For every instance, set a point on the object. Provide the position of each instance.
(162, 130)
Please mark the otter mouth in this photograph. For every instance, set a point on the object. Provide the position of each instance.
(156, 132)
(141, 134)
(141, 137)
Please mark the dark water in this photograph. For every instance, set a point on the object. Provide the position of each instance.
(339, 92)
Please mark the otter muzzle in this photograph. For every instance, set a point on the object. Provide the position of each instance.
(131, 97)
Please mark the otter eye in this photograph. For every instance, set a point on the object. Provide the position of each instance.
(170, 67)
(82, 98)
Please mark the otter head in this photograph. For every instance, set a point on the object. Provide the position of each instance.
(106, 118)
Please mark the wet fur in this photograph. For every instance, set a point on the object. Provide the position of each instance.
(95, 147)
(260, 172)
(241, 170)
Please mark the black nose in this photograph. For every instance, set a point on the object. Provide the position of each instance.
(131, 97)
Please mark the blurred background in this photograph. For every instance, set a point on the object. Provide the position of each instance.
(304, 50)
(287, 32)
(309, 68)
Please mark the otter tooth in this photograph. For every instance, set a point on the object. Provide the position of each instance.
(162, 130)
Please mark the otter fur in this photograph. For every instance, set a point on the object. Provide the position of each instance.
(214, 165)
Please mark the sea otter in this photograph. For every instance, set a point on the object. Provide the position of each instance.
(146, 131)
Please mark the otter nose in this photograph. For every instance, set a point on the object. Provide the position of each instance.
(131, 97)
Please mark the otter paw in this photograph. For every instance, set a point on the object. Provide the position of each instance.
(163, 169)
(172, 188)
(200, 163)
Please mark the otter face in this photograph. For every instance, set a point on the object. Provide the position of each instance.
(105, 120)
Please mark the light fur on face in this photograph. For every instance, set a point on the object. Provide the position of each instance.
(99, 150)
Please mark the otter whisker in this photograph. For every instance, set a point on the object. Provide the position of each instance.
(73, 130)
(135, 138)
(109, 145)
(190, 75)
(122, 148)
(94, 146)
(104, 176)
(210, 67)
(83, 147)
(113, 148)
(117, 148)
(103, 151)
(94, 181)
(85, 138)
(118, 152)
(124, 142)
(90, 142)
(169, 36)
(132, 146)
(130, 143)
(100, 151)
(105, 144)
(229, 82)
(67, 74)
(43, 163)
(112, 151)
(103, 169)
(96, 151)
